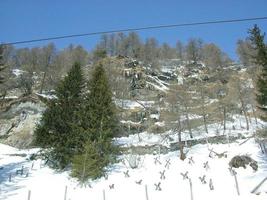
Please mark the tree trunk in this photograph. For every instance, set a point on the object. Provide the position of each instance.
(246, 117)
(243, 109)
(205, 122)
(179, 130)
(188, 122)
(224, 118)
(203, 109)
(42, 83)
(181, 145)
(254, 114)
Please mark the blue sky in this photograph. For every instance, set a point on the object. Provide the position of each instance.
(32, 19)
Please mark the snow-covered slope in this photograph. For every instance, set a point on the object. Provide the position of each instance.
(44, 183)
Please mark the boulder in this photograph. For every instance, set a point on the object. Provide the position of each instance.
(243, 161)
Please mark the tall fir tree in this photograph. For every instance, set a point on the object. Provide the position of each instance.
(55, 131)
(99, 107)
(257, 40)
(98, 127)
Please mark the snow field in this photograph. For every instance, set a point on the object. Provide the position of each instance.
(46, 183)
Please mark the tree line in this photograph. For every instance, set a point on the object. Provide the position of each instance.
(51, 64)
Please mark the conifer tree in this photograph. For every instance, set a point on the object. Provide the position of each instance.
(89, 164)
(55, 131)
(98, 127)
(257, 40)
(99, 109)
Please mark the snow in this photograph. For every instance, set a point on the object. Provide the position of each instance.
(47, 96)
(155, 116)
(163, 88)
(11, 97)
(168, 69)
(190, 117)
(248, 83)
(45, 183)
(210, 101)
(161, 124)
(17, 72)
(148, 139)
(160, 85)
(130, 104)
(130, 122)
(180, 80)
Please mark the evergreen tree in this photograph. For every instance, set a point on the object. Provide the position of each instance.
(89, 164)
(257, 40)
(99, 109)
(55, 130)
(98, 127)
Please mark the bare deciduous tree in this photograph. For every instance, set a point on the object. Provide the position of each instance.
(193, 49)
(245, 52)
(213, 57)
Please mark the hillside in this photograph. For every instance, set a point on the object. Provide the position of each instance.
(44, 183)
(159, 109)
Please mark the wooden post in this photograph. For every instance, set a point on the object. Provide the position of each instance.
(10, 177)
(29, 195)
(146, 192)
(259, 185)
(262, 150)
(191, 188)
(65, 193)
(228, 137)
(104, 195)
(236, 183)
(22, 169)
(264, 147)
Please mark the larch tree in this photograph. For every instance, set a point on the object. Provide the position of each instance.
(47, 56)
(193, 50)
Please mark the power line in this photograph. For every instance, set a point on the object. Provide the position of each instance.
(138, 29)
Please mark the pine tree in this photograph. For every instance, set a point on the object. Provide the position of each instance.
(257, 40)
(55, 131)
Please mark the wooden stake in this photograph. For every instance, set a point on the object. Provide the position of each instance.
(146, 192)
(259, 185)
(65, 193)
(236, 183)
(191, 189)
(9, 178)
(29, 195)
(104, 195)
